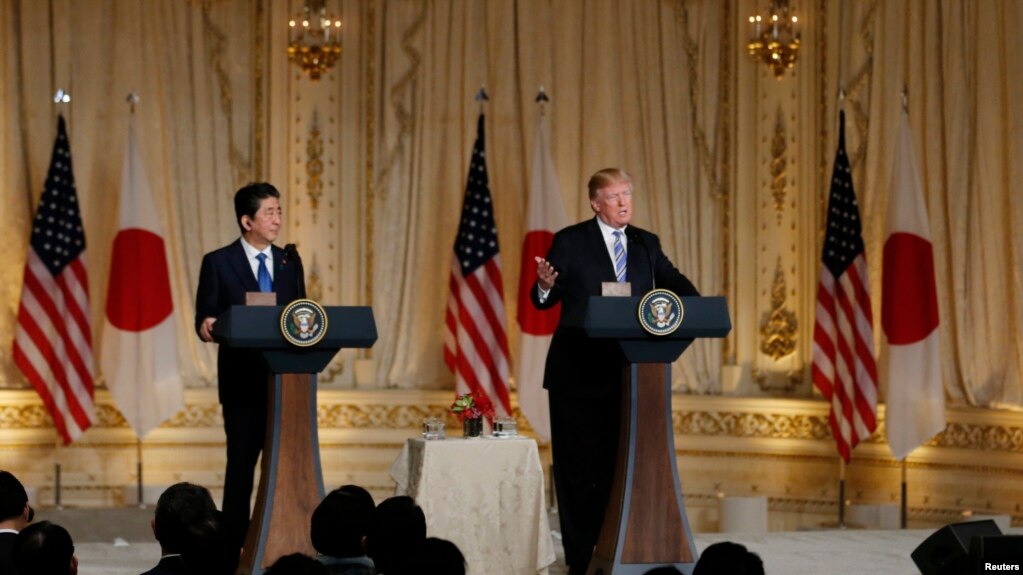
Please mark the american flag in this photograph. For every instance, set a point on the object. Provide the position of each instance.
(475, 338)
(844, 369)
(53, 341)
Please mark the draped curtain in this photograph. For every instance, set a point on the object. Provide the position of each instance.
(624, 92)
(646, 86)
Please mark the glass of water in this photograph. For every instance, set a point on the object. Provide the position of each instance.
(433, 428)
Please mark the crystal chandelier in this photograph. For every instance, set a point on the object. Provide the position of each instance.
(775, 39)
(314, 39)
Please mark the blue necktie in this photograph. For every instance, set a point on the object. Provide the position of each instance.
(263, 275)
(619, 256)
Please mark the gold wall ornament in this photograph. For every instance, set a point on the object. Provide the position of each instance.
(774, 39)
(779, 164)
(314, 287)
(314, 39)
(314, 165)
(779, 331)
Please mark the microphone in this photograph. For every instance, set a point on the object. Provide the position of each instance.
(291, 253)
(634, 236)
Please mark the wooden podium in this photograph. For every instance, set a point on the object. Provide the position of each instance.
(645, 525)
(290, 481)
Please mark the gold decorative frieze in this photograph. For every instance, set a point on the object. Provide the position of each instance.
(760, 425)
(197, 415)
(715, 417)
(24, 417)
(779, 164)
(983, 437)
(314, 165)
(779, 331)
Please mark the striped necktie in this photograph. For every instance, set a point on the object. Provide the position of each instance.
(619, 256)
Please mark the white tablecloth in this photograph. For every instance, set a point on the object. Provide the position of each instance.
(485, 495)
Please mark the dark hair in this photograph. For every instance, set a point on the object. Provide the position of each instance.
(180, 506)
(297, 564)
(396, 532)
(248, 198)
(341, 520)
(12, 496)
(43, 548)
(728, 558)
(210, 549)
(664, 570)
(440, 557)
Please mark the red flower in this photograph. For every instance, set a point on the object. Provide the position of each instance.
(472, 406)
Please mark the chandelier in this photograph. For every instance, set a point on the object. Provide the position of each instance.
(314, 39)
(775, 39)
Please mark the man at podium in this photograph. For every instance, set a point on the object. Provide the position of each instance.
(583, 376)
(249, 264)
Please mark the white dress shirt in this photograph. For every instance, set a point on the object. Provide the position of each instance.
(251, 253)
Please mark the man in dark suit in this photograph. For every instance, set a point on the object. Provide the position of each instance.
(15, 514)
(181, 507)
(582, 375)
(250, 264)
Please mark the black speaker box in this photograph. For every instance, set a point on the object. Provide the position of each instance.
(990, 553)
(947, 550)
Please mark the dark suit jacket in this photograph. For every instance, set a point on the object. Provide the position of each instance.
(173, 565)
(575, 363)
(224, 279)
(7, 553)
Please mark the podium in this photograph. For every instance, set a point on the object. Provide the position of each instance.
(290, 482)
(645, 524)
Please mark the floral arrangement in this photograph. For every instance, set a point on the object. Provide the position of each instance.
(472, 406)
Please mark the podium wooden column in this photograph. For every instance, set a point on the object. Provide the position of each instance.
(290, 481)
(645, 524)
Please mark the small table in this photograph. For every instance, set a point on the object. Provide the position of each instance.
(485, 495)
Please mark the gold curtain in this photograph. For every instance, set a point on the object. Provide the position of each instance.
(648, 86)
(962, 66)
(190, 63)
(624, 92)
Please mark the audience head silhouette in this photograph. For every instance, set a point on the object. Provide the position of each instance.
(45, 548)
(663, 570)
(180, 507)
(728, 558)
(211, 548)
(396, 533)
(15, 512)
(296, 564)
(439, 557)
(341, 521)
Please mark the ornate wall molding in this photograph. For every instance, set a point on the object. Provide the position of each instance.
(314, 165)
(779, 331)
(697, 416)
(779, 164)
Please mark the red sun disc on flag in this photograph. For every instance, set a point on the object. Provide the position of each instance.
(909, 302)
(138, 296)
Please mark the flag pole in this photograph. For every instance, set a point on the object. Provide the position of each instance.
(482, 98)
(541, 99)
(841, 493)
(904, 507)
(138, 472)
(56, 474)
(132, 98)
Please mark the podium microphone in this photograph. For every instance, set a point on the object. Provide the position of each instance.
(291, 253)
(635, 236)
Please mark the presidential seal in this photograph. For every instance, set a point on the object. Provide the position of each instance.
(660, 312)
(303, 322)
